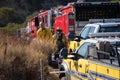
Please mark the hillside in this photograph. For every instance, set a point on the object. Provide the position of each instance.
(16, 11)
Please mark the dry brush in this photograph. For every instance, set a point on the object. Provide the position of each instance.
(20, 61)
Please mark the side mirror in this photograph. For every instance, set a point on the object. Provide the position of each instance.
(72, 56)
(77, 57)
(64, 52)
(77, 38)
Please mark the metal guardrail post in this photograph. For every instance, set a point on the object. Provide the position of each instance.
(41, 70)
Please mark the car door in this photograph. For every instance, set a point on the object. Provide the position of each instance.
(83, 62)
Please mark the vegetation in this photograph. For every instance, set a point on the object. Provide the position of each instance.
(20, 61)
(11, 28)
(115, 0)
(7, 15)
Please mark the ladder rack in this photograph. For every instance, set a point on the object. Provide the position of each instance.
(105, 34)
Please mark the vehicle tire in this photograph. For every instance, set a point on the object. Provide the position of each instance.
(51, 63)
(63, 76)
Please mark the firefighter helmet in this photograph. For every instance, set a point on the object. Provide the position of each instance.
(59, 29)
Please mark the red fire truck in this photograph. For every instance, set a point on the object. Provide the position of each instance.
(74, 16)
(45, 17)
(82, 12)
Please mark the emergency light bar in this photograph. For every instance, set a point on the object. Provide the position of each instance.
(105, 34)
(104, 20)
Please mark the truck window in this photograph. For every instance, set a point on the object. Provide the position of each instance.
(110, 29)
(92, 29)
(82, 51)
(85, 32)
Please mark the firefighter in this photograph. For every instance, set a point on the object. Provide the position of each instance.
(44, 33)
(61, 43)
(60, 39)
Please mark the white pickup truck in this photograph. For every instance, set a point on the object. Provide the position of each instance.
(93, 28)
(98, 28)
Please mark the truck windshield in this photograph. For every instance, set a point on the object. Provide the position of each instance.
(110, 29)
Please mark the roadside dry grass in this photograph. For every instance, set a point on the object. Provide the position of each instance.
(20, 61)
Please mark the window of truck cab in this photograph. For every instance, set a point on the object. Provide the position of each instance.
(86, 31)
(110, 29)
(83, 49)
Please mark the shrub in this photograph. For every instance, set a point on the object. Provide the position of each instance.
(7, 15)
(22, 62)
